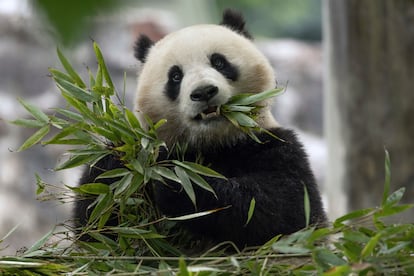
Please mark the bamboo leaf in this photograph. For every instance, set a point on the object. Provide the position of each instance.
(79, 160)
(167, 173)
(251, 211)
(327, 259)
(62, 134)
(370, 246)
(34, 111)
(132, 119)
(186, 183)
(102, 65)
(70, 114)
(198, 214)
(39, 244)
(136, 183)
(395, 197)
(35, 138)
(94, 188)
(104, 202)
(306, 205)
(114, 173)
(387, 182)
(123, 184)
(28, 123)
(197, 168)
(251, 98)
(82, 108)
(199, 181)
(69, 69)
(75, 91)
(352, 215)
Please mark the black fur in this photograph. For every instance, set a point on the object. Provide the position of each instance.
(273, 173)
(235, 21)
(222, 65)
(82, 210)
(173, 85)
(142, 47)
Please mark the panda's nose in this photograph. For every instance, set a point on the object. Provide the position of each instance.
(203, 94)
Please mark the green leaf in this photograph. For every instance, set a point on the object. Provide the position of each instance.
(9, 233)
(39, 244)
(395, 197)
(199, 181)
(79, 160)
(40, 185)
(251, 211)
(251, 98)
(102, 65)
(28, 123)
(370, 246)
(107, 133)
(69, 69)
(34, 111)
(62, 134)
(104, 203)
(94, 188)
(35, 138)
(136, 183)
(114, 173)
(241, 119)
(58, 74)
(82, 108)
(327, 259)
(183, 270)
(393, 210)
(387, 182)
(75, 91)
(132, 119)
(306, 205)
(167, 173)
(70, 114)
(352, 215)
(186, 183)
(197, 168)
(123, 184)
(136, 233)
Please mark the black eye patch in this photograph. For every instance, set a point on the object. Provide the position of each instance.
(222, 65)
(172, 87)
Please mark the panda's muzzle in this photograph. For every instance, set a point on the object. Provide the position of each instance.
(209, 113)
(205, 94)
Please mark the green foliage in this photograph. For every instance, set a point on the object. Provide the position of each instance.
(69, 18)
(358, 243)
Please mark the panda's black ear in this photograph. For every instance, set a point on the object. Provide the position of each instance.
(235, 21)
(141, 47)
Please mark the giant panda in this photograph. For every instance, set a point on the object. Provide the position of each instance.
(184, 78)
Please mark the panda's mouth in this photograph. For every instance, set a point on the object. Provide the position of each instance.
(209, 113)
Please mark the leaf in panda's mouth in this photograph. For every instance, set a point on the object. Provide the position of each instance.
(209, 113)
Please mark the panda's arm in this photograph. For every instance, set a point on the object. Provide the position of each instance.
(275, 175)
(81, 210)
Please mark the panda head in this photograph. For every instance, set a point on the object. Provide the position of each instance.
(189, 73)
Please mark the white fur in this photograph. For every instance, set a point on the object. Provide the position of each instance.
(190, 49)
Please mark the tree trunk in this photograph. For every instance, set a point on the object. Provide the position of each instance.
(369, 96)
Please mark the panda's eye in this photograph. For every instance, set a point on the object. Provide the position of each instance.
(175, 74)
(176, 77)
(218, 61)
(226, 68)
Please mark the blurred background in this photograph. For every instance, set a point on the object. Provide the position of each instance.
(289, 33)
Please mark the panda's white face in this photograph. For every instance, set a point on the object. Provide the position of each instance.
(187, 76)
